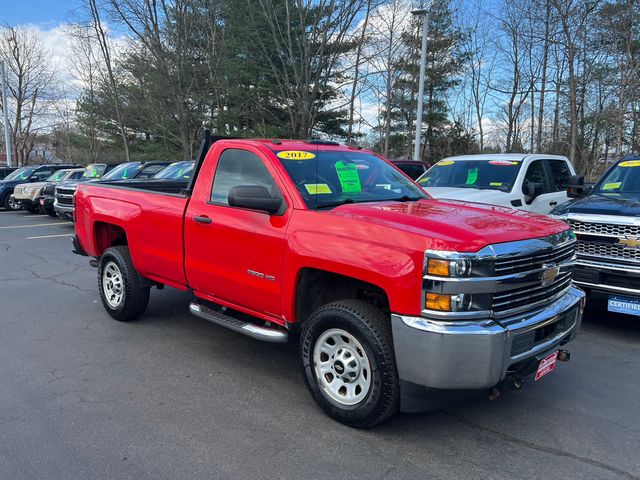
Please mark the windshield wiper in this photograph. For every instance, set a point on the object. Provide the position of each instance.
(336, 204)
(404, 198)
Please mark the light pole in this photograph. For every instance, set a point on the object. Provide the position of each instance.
(5, 109)
(423, 61)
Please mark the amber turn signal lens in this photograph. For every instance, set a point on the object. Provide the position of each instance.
(438, 267)
(436, 301)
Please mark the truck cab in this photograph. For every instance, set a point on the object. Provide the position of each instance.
(606, 221)
(536, 183)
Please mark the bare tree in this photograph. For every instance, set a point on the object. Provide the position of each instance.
(87, 70)
(104, 42)
(32, 88)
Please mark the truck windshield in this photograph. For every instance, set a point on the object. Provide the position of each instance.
(622, 180)
(21, 174)
(123, 171)
(479, 174)
(330, 178)
(57, 176)
(177, 171)
(94, 170)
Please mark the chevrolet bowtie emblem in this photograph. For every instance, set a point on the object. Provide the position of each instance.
(550, 272)
(630, 242)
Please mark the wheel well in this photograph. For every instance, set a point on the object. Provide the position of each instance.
(318, 287)
(108, 235)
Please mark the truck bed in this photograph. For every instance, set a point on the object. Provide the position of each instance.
(152, 215)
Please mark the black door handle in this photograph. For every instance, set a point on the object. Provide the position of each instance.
(553, 204)
(202, 219)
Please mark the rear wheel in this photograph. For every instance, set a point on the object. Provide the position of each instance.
(348, 363)
(119, 283)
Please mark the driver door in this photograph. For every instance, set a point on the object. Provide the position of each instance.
(235, 255)
(546, 199)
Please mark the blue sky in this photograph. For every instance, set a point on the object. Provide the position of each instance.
(45, 13)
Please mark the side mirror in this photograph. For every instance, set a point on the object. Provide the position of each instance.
(532, 190)
(254, 197)
(577, 188)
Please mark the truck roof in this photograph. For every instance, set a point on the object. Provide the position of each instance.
(507, 156)
(290, 144)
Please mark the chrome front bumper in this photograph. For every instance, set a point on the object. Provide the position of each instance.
(62, 208)
(601, 276)
(478, 354)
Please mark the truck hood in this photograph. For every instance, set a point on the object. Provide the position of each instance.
(495, 197)
(601, 205)
(464, 226)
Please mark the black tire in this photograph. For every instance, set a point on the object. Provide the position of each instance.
(51, 213)
(372, 329)
(134, 298)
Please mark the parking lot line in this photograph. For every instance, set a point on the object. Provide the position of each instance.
(50, 236)
(36, 225)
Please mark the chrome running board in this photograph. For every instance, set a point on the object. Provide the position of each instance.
(252, 330)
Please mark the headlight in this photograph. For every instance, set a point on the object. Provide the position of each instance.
(460, 267)
(439, 302)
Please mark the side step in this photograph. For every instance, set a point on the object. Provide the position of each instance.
(249, 329)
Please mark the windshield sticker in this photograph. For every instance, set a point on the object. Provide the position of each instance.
(348, 176)
(502, 163)
(295, 155)
(317, 188)
(424, 180)
(611, 186)
(495, 184)
(472, 176)
(444, 163)
(630, 163)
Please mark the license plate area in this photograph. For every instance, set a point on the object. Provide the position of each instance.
(622, 304)
(546, 365)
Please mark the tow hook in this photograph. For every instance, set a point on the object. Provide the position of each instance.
(564, 355)
(516, 383)
(493, 393)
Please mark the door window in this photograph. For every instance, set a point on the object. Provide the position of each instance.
(236, 168)
(536, 173)
(561, 174)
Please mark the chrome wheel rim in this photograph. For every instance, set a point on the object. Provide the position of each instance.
(13, 204)
(342, 367)
(112, 285)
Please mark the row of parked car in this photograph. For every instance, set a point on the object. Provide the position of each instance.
(50, 188)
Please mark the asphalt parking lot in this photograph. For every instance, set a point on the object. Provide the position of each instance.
(171, 396)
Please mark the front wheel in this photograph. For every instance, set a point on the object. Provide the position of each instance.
(10, 203)
(119, 283)
(348, 363)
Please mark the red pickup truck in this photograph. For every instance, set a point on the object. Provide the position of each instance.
(395, 296)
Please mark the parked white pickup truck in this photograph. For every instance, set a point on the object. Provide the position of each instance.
(537, 183)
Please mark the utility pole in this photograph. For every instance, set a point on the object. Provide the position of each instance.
(5, 110)
(423, 61)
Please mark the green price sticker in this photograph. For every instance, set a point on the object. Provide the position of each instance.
(348, 176)
(472, 176)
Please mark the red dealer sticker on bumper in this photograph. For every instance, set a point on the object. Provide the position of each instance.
(547, 364)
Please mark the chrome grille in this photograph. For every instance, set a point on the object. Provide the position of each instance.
(525, 263)
(64, 196)
(609, 229)
(530, 296)
(608, 250)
